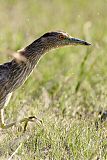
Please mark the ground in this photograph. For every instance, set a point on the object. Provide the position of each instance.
(67, 90)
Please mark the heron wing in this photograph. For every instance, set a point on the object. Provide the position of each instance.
(4, 77)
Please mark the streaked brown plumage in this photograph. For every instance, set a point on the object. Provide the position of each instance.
(14, 73)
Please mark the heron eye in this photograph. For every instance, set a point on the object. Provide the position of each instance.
(61, 37)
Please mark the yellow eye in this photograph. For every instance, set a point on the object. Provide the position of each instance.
(61, 36)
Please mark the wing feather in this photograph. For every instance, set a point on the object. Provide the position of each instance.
(4, 77)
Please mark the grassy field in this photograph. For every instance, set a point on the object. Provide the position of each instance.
(67, 90)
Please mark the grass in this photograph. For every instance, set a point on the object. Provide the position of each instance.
(67, 90)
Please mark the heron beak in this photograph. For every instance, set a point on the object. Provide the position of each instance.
(76, 41)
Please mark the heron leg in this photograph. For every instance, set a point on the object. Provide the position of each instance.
(2, 124)
(1, 118)
(25, 120)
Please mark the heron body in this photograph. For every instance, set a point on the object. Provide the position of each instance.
(14, 73)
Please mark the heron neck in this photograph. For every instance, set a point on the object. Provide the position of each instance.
(34, 51)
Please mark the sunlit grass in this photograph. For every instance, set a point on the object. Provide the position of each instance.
(71, 128)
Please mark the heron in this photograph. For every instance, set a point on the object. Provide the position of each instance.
(14, 73)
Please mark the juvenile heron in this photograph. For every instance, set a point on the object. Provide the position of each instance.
(14, 73)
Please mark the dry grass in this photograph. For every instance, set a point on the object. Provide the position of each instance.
(71, 121)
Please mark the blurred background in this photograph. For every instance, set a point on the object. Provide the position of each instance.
(68, 83)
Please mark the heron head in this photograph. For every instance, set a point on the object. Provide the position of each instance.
(60, 39)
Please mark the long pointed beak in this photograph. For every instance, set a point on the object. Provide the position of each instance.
(76, 41)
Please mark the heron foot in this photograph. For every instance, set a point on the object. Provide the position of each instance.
(30, 119)
(24, 120)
